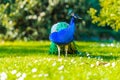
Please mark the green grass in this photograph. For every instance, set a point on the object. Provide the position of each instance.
(31, 61)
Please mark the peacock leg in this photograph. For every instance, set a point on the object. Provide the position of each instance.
(66, 50)
(58, 50)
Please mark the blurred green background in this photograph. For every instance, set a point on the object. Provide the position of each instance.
(32, 20)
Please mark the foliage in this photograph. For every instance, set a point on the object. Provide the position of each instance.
(32, 19)
(108, 15)
(15, 17)
(30, 60)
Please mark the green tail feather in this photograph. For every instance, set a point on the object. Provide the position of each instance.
(53, 48)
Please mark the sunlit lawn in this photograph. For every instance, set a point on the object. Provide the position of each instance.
(31, 61)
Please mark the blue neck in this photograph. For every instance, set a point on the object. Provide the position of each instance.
(71, 27)
(72, 20)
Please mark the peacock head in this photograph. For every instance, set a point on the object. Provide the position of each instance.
(71, 13)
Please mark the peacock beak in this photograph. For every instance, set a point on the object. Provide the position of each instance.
(77, 17)
(80, 18)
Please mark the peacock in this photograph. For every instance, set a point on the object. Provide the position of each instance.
(62, 36)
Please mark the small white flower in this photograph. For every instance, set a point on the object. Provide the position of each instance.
(24, 75)
(45, 75)
(82, 63)
(36, 61)
(54, 64)
(42, 14)
(25, 9)
(49, 59)
(34, 70)
(72, 60)
(102, 45)
(10, 22)
(29, 17)
(112, 45)
(106, 65)
(40, 75)
(113, 64)
(101, 59)
(34, 17)
(88, 54)
(92, 65)
(97, 63)
(13, 72)
(60, 60)
(3, 76)
(89, 57)
(65, 60)
(18, 74)
(61, 67)
(21, 6)
(39, 18)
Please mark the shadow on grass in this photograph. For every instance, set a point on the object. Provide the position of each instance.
(7, 51)
(106, 57)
